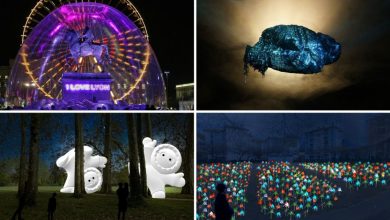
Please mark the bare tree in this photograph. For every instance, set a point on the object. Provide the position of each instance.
(107, 153)
(172, 128)
(22, 161)
(33, 164)
(134, 176)
(79, 188)
(188, 162)
(141, 156)
(148, 125)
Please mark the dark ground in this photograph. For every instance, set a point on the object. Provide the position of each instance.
(98, 206)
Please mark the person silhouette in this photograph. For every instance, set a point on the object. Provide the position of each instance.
(122, 193)
(125, 196)
(21, 204)
(51, 207)
(119, 193)
(222, 209)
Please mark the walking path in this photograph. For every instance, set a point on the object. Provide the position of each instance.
(252, 209)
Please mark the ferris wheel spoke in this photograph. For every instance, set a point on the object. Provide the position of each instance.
(59, 94)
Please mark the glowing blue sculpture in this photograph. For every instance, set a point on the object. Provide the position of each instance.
(292, 48)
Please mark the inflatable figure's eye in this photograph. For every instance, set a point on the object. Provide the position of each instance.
(93, 177)
(89, 180)
(170, 159)
(163, 155)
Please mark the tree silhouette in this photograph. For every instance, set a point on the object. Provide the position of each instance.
(188, 162)
(106, 186)
(141, 156)
(134, 176)
(33, 164)
(79, 188)
(22, 160)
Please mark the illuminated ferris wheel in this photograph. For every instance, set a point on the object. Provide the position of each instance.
(45, 7)
(86, 37)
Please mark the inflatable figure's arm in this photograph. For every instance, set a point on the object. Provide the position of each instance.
(62, 161)
(174, 179)
(87, 151)
(95, 161)
(148, 148)
(102, 162)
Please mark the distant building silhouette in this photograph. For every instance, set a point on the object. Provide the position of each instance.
(280, 145)
(4, 74)
(378, 128)
(223, 141)
(318, 144)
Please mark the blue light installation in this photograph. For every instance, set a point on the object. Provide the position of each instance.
(293, 49)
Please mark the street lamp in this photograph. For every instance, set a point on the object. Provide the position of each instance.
(28, 85)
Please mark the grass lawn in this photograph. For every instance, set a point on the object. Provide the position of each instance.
(98, 206)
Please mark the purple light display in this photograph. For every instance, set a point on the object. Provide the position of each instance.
(90, 86)
(135, 75)
(87, 87)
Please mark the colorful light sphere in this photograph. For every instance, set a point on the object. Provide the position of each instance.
(117, 46)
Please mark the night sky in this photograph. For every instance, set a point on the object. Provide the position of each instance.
(57, 132)
(169, 24)
(359, 80)
(261, 126)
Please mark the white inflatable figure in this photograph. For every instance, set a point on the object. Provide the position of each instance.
(161, 163)
(93, 178)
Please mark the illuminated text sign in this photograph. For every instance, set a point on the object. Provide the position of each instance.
(87, 87)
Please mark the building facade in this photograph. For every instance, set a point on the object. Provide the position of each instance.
(4, 74)
(185, 96)
(223, 142)
(321, 144)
